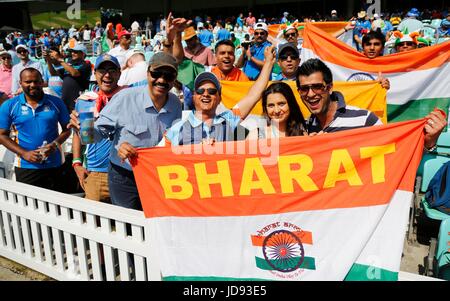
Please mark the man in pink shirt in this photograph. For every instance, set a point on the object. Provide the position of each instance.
(195, 50)
(5, 76)
(250, 20)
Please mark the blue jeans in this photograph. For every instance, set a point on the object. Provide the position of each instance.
(122, 188)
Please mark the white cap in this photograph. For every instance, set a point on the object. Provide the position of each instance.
(21, 46)
(286, 14)
(376, 16)
(334, 12)
(261, 25)
(133, 52)
(200, 25)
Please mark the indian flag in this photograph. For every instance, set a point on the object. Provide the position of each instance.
(419, 79)
(330, 207)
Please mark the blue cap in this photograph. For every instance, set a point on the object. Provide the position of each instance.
(106, 58)
(79, 47)
(414, 12)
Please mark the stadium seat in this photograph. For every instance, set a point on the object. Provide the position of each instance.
(442, 258)
(431, 267)
(443, 143)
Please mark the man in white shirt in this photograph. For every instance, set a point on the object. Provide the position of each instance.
(135, 69)
(121, 51)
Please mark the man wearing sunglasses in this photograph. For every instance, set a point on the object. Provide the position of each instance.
(203, 125)
(289, 61)
(253, 58)
(25, 62)
(136, 117)
(121, 51)
(94, 177)
(5, 75)
(329, 113)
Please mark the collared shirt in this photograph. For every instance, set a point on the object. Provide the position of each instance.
(345, 118)
(234, 75)
(15, 84)
(203, 56)
(34, 126)
(5, 80)
(131, 117)
(251, 69)
(120, 54)
(193, 130)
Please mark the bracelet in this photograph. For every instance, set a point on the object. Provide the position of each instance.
(77, 160)
(431, 149)
(76, 164)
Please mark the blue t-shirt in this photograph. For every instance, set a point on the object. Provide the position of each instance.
(223, 34)
(97, 154)
(35, 126)
(251, 69)
(54, 82)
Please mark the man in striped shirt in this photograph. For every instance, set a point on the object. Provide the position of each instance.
(329, 113)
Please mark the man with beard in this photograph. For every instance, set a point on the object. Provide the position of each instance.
(136, 117)
(35, 116)
(253, 57)
(195, 50)
(225, 69)
(25, 62)
(94, 178)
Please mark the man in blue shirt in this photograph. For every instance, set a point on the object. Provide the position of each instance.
(35, 116)
(253, 57)
(136, 117)
(222, 33)
(205, 36)
(362, 26)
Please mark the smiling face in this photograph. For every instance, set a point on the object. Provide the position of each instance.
(291, 36)
(22, 53)
(277, 108)
(225, 58)
(373, 48)
(260, 36)
(161, 80)
(32, 84)
(206, 102)
(107, 76)
(315, 93)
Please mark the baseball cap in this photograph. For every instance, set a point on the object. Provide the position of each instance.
(414, 12)
(261, 25)
(162, 59)
(79, 47)
(21, 46)
(106, 58)
(200, 25)
(210, 77)
(4, 52)
(361, 14)
(287, 46)
(334, 12)
(123, 33)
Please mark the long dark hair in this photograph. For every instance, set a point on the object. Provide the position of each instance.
(295, 124)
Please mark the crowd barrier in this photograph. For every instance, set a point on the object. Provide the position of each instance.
(70, 238)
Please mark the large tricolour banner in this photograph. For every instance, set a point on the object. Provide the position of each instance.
(419, 78)
(329, 207)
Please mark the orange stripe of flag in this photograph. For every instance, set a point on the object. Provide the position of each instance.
(304, 236)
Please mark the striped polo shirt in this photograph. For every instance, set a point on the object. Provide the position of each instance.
(345, 118)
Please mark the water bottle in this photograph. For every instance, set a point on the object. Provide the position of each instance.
(85, 109)
(41, 151)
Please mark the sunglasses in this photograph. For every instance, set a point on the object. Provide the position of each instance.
(288, 35)
(168, 76)
(316, 88)
(284, 57)
(405, 44)
(211, 91)
(22, 51)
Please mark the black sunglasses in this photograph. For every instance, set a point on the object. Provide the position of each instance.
(317, 88)
(167, 75)
(107, 70)
(260, 33)
(405, 44)
(22, 51)
(288, 35)
(284, 57)
(211, 91)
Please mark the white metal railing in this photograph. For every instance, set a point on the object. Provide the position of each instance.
(71, 238)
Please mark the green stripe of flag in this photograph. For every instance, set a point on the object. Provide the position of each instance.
(416, 109)
(308, 263)
(361, 272)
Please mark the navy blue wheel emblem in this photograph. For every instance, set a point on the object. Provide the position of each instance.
(283, 251)
(360, 76)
